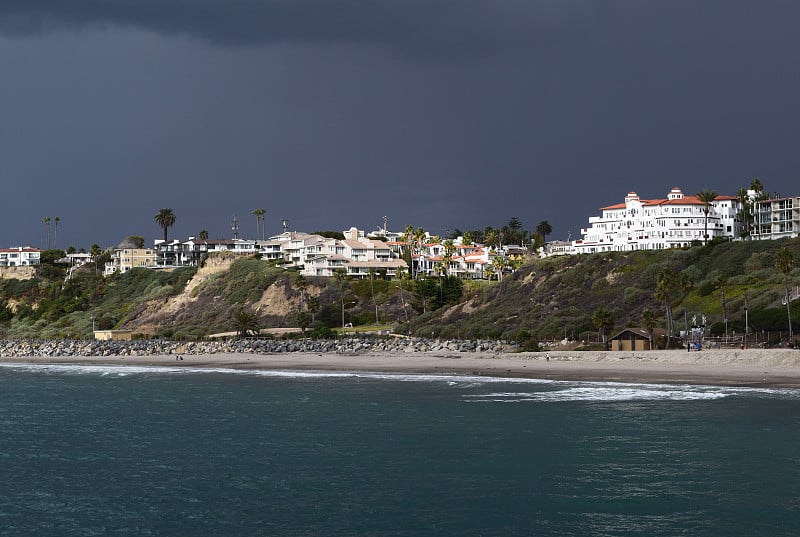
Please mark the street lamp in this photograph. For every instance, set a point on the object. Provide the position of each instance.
(343, 305)
(746, 324)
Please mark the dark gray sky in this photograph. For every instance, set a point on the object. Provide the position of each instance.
(334, 113)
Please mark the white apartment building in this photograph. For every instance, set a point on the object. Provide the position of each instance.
(357, 256)
(776, 218)
(655, 224)
(19, 256)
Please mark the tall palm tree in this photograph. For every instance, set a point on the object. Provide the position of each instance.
(408, 239)
(46, 221)
(720, 282)
(447, 259)
(56, 220)
(203, 235)
(664, 291)
(165, 219)
(649, 323)
(402, 275)
(745, 212)
(419, 241)
(707, 197)
(756, 185)
(784, 262)
(260, 219)
(371, 273)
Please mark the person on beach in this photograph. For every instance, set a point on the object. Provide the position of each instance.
(547, 357)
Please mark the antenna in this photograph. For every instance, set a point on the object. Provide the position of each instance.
(235, 226)
(285, 223)
(385, 224)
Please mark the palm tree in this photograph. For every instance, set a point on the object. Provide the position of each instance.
(707, 197)
(516, 230)
(301, 283)
(402, 275)
(489, 272)
(447, 259)
(203, 235)
(47, 230)
(720, 282)
(246, 323)
(756, 186)
(543, 229)
(56, 220)
(312, 306)
(371, 272)
(500, 264)
(96, 252)
(604, 321)
(665, 288)
(745, 212)
(260, 219)
(649, 323)
(409, 238)
(491, 238)
(165, 219)
(419, 240)
(784, 262)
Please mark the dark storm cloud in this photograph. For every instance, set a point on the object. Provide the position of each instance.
(332, 113)
(412, 27)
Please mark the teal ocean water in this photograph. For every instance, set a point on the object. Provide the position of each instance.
(135, 451)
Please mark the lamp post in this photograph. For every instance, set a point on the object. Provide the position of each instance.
(343, 305)
(746, 325)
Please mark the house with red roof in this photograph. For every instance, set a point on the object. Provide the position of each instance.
(654, 224)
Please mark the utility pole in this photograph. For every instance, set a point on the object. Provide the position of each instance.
(235, 227)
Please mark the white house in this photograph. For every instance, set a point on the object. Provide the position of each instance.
(357, 255)
(655, 224)
(20, 256)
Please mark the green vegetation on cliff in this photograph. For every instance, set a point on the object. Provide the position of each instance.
(546, 299)
(557, 297)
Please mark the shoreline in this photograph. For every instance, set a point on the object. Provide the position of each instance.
(764, 368)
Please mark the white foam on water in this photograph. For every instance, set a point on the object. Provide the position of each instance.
(558, 390)
(461, 381)
(618, 391)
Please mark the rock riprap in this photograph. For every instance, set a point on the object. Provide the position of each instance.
(353, 345)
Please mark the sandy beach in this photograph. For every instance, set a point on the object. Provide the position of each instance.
(751, 367)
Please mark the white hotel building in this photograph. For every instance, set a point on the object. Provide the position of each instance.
(656, 224)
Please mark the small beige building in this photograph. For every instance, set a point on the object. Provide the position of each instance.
(635, 339)
(113, 335)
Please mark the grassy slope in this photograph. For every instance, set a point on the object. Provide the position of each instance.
(555, 296)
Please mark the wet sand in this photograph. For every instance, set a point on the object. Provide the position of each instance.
(751, 367)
